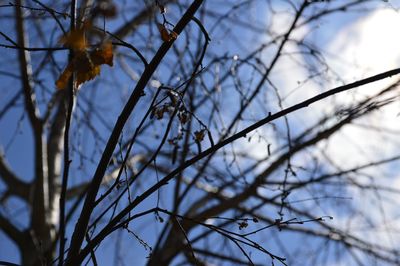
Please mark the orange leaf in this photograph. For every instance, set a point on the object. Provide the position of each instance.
(62, 81)
(85, 64)
(82, 77)
(104, 55)
(84, 67)
(82, 62)
(173, 35)
(74, 39)
(165, 36)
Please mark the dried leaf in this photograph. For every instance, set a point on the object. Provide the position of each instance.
(158, 112)
(173, 35)
(243, 225)
(82, 62)
(86, 66)
(199, 135)
(75, 40)
(166, 35)
(162, 9)
(183, 117)
(82, 77)
(164, 32)
(173, 96)
(105, 8)
(62, 81)
(104, 55)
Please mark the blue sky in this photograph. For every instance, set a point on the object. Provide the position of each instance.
(344, 37)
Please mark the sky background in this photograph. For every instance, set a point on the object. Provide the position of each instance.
(356, 46)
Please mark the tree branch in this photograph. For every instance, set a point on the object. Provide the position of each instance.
(137, 20)
(26, 71)
(14, 184)
(81, 226)
(40, 217)
(11, 231)
(70, 104)
(110, 226)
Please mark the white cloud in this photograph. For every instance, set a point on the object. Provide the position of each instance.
(366, 47)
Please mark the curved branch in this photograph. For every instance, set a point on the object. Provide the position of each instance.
(11, 231)
(110, 227)
(14, 184)
(81, 226)
(26, 70)
(137, 20)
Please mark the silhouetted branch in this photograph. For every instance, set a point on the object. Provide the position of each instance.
(15, 185)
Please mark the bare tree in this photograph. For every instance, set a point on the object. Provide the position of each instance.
(199, 143)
